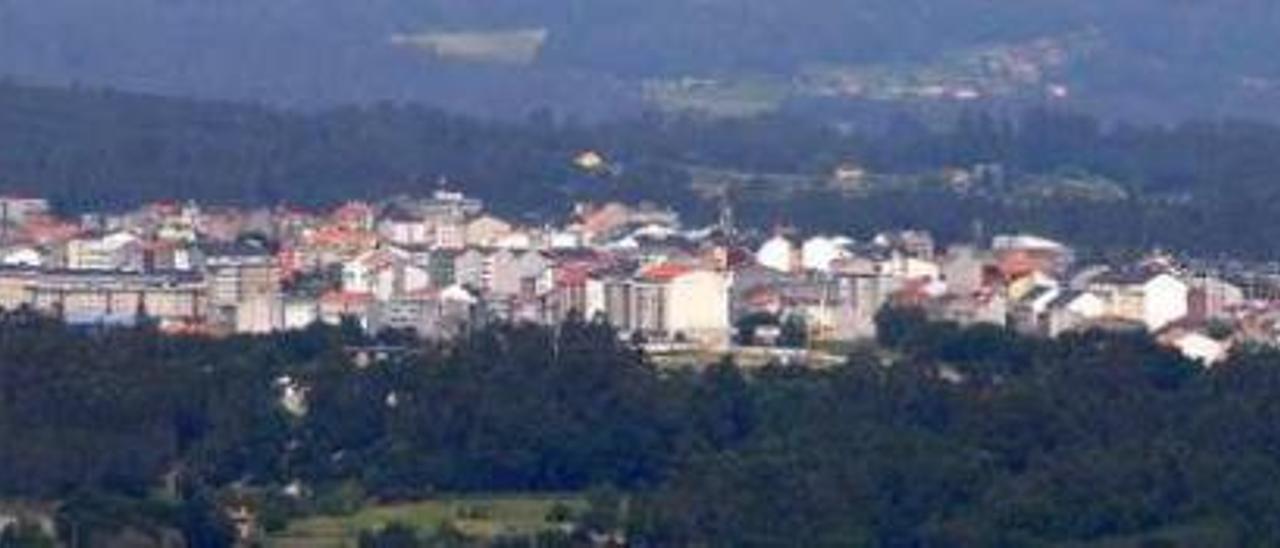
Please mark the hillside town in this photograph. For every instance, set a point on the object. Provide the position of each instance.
(438, 265)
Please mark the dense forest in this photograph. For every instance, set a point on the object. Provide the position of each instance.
(1208, 188)
(100, 149)
(962, 437)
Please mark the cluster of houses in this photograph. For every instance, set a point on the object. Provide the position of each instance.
(440, 264)
(1027, 283)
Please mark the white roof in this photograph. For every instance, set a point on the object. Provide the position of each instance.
(457, 293)
(654, 231)
(1027, 242)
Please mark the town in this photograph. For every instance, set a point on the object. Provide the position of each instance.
(437, 265)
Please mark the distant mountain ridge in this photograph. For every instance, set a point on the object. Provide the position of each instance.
(1154, 58)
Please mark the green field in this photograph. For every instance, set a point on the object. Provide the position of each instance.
(483, 517)
(517, 46)
(740, 97)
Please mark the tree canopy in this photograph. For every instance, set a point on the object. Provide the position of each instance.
(969, 436)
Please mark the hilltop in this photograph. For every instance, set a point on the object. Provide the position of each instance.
(1148, 59)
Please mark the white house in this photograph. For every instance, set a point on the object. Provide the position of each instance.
(667, 302)
(486, 231)
(1029, 313)
(384, 274)
(24, 256)
(458, 295)
(819, 252)
(401, 227)
(1200, 347)
(1073, 309)
(1154, 299)
(115, 251)
(698, 306)
(17, 209)
(779, 253)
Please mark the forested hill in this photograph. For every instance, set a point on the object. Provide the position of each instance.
(101, 149)
(1141, 57)
(965, 437)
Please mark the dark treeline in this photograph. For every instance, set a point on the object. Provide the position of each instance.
(1204, 187)
(966, 437)
(94, 149)
(1210, 188)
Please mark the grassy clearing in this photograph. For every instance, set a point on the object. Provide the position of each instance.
(732, 98)
(518, 46)
(484, 517)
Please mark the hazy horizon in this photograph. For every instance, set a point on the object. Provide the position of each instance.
(1135, 59)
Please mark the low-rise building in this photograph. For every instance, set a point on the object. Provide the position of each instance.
(16, 209)
(115, 251)
(88, 297)
(780, 253)
(487, 231)
(384, 273)
(1154, 299)
(1073, 310)
(1198, 346)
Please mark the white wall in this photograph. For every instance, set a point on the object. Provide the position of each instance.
(698, 305)
(300, 314)
(819, 252)
(776, 254)
(259, 315)
(1164, 301)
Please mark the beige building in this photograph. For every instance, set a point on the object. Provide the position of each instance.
(117, 251)
(260, 314)
(668, 302)
(92, 297)
(486, 231)
(240, 275)
(17, 209)
(1154, 300)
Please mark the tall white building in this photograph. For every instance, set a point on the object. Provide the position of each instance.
(668, 302)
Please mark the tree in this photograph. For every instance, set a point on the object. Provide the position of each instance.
(747, 326)
(795, 332)
(25, 534)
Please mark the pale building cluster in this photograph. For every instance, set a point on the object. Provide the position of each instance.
(442, 264)
(434, 265)
(1024, 282)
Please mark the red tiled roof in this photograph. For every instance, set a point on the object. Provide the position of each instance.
(346, 298)
(665, 272)
(573, 274)
(353, 211)
(422, 294)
